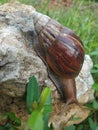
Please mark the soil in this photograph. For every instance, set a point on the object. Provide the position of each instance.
(16, 105)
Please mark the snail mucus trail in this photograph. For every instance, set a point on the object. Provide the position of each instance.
(63, 53)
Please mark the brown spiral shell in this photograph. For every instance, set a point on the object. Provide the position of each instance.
(63, 50)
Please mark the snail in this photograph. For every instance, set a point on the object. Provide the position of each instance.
(63, 53)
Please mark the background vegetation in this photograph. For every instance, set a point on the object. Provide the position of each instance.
(82, 18)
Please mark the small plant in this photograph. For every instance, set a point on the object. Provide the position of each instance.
(38, 105)
(9, 122)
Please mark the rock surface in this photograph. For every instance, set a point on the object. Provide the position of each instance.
(73, 114)
(85, 81)
(18, 62)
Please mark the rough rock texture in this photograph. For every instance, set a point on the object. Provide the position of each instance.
(18, 62)
(85, 81)
(73, 114)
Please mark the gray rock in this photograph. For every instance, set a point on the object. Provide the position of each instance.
(84, 82)
(18, 61)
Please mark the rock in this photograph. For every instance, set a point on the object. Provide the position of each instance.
(18, 61)
(85, 81)
(73, 114)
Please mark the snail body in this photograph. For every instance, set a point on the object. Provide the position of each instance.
(63, 53)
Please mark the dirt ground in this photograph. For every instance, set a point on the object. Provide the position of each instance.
(16, 105)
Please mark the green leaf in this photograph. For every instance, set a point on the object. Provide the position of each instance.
(47, 109)
(90, 106)
(95, 104)
(94, 53)
(33, 93)
(12, 118)
(46, 119)
(8, 125)
(2, 128)
(70, 127)
(92, 124)
(94, 71)
(48, 105)
(46, 112)
(4, 116)
(35, 121)
(44, 96)
(17, 122)
(13, 128)
(95, 87)
(97, 127)
(96, 66)
(80, 127)
(74, 118)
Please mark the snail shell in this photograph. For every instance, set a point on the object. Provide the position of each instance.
(62, 51)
